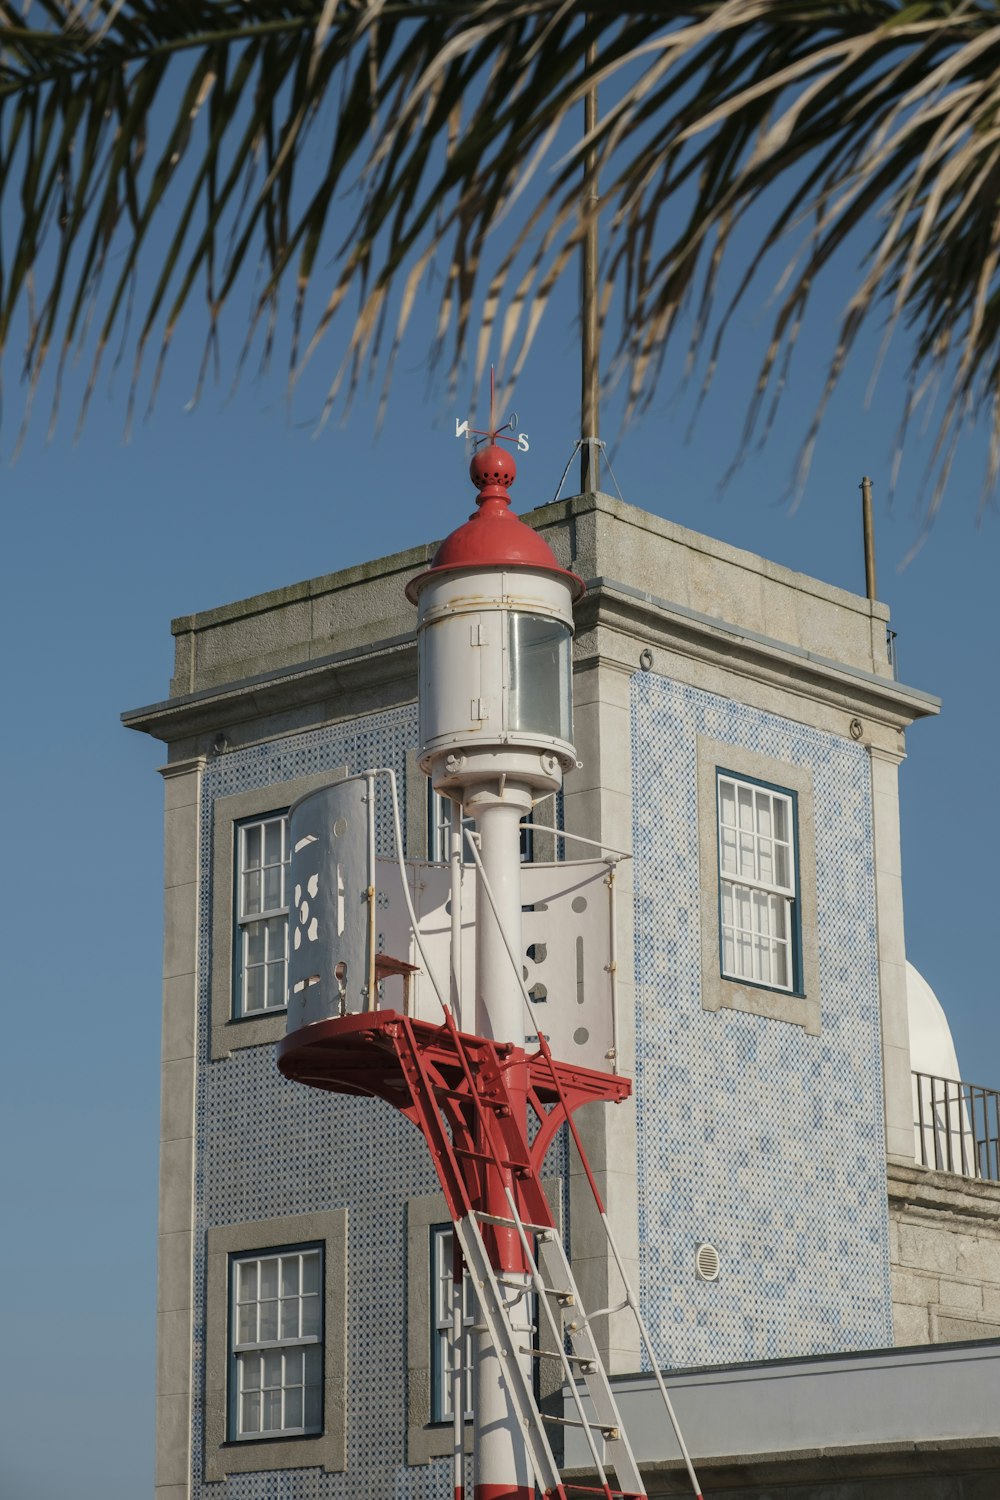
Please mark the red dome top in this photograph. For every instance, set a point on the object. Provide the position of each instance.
(493, 537)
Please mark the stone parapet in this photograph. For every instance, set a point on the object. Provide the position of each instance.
(944, 1246)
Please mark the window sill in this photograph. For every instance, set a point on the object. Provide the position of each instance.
(248, 1031)
(720, 993)
(271, 1437)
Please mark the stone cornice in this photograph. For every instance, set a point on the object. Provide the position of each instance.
(707, 638)
(919, 1188)
(341, 674)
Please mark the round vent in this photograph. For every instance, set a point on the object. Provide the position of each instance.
(706, 1263)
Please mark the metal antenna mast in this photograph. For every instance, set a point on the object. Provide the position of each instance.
(868, 530)
(590, 470)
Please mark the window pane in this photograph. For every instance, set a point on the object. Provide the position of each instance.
(762, 960)
(779, 917)
(727, 803)
(268, 1321)
(310, 1317)
(250, 1372)
(251, 847)
(744, 798)
(247, 1281)
(781, 810)
(251, 893)
(765, 871)
(310, 1272)
(728, 953)
(272, 888)
(747, 863)
(289, 1318)
(293, 1407)
(314, 1405)
(762, 912)
(727, 904)
(246, 1332)
(289, 1276)
(272, 1369)
(254, 943)
(254, 989)
(269, 1278)
(781, 866)
(277, 937)
(729, 864)
(271, 1411)
(272, 843)
(275, 985)
(293, 1367)
(763, 814)
(250, 1412)
(780, 959)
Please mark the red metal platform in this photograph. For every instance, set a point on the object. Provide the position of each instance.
(465, 1093)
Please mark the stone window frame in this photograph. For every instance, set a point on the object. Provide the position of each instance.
(229, 1030)
(425, 1438)
(719, 992)
(326, 1449)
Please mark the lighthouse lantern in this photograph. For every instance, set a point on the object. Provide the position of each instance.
(495, 634)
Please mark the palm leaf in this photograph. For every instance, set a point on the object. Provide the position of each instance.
(150, 151)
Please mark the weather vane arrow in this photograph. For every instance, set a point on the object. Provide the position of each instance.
(506, 433)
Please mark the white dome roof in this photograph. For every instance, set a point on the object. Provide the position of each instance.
(931, 1047)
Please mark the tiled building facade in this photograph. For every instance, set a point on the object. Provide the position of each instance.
(765, 1115)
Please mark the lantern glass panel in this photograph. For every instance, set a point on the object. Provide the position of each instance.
(540, 654)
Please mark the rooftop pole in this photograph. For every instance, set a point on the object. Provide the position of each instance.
(590, 470)
(869, 536)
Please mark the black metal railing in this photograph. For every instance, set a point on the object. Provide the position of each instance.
(957, 1127)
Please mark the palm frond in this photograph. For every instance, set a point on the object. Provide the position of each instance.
(343, 150)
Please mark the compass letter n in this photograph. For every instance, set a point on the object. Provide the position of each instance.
(461, 427)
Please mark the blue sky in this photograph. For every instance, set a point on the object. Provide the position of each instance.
(106, 541)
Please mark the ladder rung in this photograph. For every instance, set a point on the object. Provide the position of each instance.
(582, 1360)
(609, 1434)
(565, 1299)
(485, 1218)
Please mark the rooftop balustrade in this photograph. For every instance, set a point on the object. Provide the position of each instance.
(956, 1127)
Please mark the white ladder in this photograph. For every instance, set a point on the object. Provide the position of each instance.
(552, 1282)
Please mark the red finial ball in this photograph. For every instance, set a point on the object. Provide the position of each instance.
(493, 467)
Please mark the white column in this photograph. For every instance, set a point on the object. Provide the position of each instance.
(502, 1469)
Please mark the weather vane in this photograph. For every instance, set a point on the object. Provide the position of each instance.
(506, 433)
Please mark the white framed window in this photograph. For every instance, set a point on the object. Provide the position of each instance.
(442, 1348)
(758, 916)
(261, 881)
(276, 1323)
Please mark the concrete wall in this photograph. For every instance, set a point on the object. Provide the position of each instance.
(945, 1254)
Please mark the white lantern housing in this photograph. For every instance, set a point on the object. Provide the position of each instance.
(495, 634)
